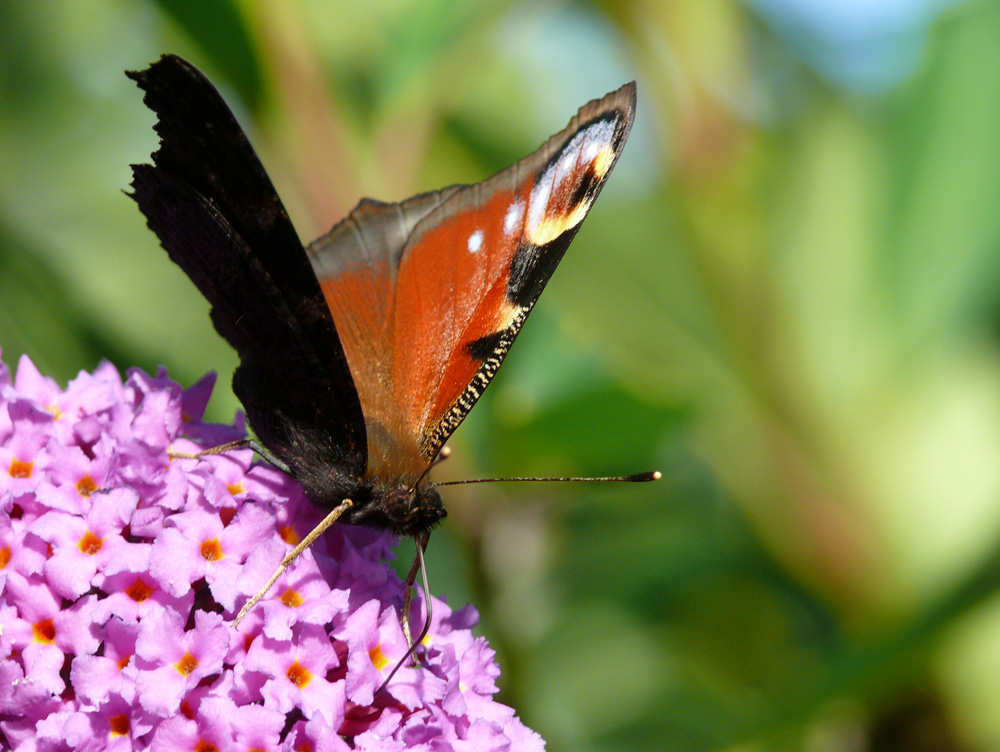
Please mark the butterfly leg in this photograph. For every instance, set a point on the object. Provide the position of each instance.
(418, 565)
(411, 578)
(214, 450)
(407, 598)
(293, 555)
(242, 443)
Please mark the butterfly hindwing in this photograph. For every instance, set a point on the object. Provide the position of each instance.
(211, 203)
(358, 263)
(426, 327)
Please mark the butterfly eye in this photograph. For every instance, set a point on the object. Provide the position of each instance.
(411, 510)
(399, 503)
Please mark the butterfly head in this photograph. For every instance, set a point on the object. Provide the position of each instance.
(413, 510)
(403, 510)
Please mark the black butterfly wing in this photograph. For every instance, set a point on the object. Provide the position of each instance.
(209, 200)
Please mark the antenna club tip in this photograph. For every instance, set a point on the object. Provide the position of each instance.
(644, 477)
(445, 452)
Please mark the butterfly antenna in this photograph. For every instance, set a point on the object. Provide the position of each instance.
(406, 615)
(637, 478)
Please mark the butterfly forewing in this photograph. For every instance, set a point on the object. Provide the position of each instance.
(211, 203)
(441, 308)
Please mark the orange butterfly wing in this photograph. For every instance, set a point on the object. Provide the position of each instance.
(429, 294)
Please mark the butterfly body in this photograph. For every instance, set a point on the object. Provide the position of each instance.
(361, 353)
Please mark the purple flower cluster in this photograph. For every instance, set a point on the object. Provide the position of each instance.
(121, 571)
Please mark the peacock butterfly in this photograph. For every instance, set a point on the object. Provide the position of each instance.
(361, 353)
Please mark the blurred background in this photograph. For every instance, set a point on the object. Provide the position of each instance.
(787, 300)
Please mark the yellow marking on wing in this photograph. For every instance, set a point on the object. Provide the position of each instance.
(551, 228)
(508, 314)
(602, 162)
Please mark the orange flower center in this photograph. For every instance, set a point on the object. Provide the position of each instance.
(235, 488)
(139, 591)
(291, 598)
(186, 665)
(212, 550)
(299, 675)
(379, 659)
(203, 746)
(289, 536)
(86, 486)
(90, 544)
(20, 468)
(44, 631)
(4, 557)
(120, 725)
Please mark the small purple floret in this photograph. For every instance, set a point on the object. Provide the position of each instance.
(121, 572)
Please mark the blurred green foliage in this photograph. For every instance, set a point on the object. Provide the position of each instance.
(786, 300)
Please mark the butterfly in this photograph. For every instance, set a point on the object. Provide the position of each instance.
(362, 352)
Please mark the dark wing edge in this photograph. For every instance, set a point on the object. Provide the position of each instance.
(216, 213)
(533, 263)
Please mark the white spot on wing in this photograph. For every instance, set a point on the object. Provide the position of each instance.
(512, 219)
(475, 241)
(538, 201)
(567, 162)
